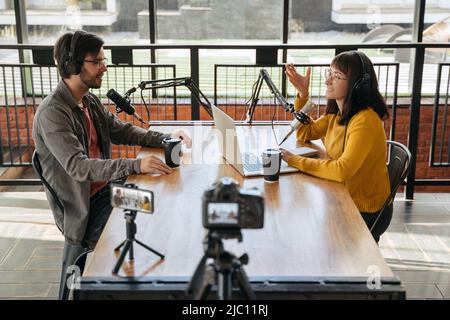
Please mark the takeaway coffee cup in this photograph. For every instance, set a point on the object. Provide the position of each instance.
(271, 160)
(172, 151)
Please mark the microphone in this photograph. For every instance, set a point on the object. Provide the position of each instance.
(300, 117)
(123, 104)
(129, 92)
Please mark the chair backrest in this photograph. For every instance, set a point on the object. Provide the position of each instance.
(398, 168)
(382, 33)
(398, 164)
(38, 168)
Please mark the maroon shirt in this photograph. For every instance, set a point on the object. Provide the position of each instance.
(94, 150)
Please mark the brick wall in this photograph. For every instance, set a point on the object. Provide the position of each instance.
(20, 131)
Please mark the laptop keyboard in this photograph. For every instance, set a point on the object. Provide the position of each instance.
(251, 162)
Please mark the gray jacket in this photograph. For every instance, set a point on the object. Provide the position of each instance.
(60, 137)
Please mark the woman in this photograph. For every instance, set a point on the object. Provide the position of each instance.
(145, 204)
(352, 132)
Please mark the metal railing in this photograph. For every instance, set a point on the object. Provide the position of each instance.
(440, 138)
(24, 86)
(195, 62)
(238, 81)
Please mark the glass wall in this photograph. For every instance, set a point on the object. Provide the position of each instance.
(218, 21)
(224, 22)
(121, 22)
(114, 20)
(7, 24)
(8, 32)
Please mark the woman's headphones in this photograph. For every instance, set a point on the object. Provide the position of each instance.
(72, 65)
(361, 88)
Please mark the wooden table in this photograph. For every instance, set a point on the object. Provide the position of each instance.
(313, 237)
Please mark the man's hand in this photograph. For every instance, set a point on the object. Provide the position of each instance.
(183, 135)
(152, 164)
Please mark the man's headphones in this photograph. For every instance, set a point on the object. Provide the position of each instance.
(361, 88)
(72, 65)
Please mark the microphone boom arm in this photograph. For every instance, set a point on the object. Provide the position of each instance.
(264, 77)
(176, 82)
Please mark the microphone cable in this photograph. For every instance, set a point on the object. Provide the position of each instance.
(146, 106)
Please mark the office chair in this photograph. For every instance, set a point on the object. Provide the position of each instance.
(78, 260)
(398, 168)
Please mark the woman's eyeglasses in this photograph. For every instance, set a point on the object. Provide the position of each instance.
(98, 62)
(333, 75)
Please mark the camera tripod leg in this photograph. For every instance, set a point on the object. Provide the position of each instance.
(148, 248)
(131, 252)
(224, 286)
(196, 281)
(243, 283)
(120, 245)
(127, 246)
(208, 281)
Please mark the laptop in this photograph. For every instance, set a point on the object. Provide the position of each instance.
(247, 164)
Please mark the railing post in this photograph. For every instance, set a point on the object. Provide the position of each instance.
(195, 107)
(22, 37)
(21, 27)
(394, 103)
(414, 120)
(285, 41)
(152, 27)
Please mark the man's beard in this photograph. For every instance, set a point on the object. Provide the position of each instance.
(89, 82)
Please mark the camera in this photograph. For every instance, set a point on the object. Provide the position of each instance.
(226, 206)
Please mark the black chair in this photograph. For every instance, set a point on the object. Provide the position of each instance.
(37, 167)
(79, 260)
(398, 168)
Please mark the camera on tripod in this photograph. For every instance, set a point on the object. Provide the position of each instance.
(226, 210)
(226, 206)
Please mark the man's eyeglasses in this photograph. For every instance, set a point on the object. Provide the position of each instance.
(98, 62)
(329, 74)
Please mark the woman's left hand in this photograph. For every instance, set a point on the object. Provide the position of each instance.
(287, 155)
(183, 135)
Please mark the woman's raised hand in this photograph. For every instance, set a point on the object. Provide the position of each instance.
(300, 82)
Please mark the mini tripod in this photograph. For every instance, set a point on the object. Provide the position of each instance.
(130, 216)
(226, 271)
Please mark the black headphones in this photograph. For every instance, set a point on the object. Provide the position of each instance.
(72, 64)
(361, 88)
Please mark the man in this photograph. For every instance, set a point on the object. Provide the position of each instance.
(73, 133)
(118, 198)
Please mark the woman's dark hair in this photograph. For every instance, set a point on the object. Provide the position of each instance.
(87, 43)
(350, 64)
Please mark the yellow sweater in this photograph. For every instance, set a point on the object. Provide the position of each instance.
(361, 166)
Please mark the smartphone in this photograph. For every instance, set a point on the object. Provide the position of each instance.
(130, 198)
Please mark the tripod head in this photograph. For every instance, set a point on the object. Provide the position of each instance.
(225, 271)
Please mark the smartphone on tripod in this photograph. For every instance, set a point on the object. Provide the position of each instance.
(131, 198)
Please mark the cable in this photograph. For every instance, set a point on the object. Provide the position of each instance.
(273, 129)
(250, 99)
(146, 106)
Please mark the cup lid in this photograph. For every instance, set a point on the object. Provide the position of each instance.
(271, 152)
(171, 140)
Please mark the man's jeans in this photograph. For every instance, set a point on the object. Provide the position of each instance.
(73, 259)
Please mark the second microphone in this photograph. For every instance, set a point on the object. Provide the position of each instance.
(123, 104)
